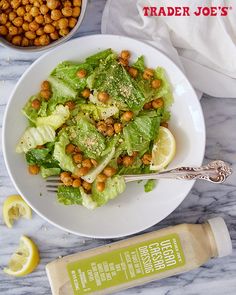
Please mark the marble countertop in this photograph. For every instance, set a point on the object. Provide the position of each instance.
(206, 200)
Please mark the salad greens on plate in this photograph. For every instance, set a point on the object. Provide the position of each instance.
(94, 121)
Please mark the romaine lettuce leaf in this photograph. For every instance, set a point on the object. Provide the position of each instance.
(65, 161)
(87, 200)
(111, 77)
(32, 113)
(56, 119)
(35, 136)
(114, 186)
(69, 195)
(41, 157)
(46, 172)
(95, 59)
(99, 112)
(165, 90)
(149, 185)
(135, 168)
(139, 64)
(87, 137)
(139, 133)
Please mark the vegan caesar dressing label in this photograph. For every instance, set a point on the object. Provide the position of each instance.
(126, 264)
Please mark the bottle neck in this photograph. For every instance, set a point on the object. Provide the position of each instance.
(211, 239)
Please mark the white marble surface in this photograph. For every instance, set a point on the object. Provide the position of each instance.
(206, 200)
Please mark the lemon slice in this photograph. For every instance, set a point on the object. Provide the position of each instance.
(163, 150)
(24, 260)
(13, 208)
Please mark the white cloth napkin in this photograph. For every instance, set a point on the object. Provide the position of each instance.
(204, 47)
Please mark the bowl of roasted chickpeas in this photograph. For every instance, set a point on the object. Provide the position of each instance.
(36, 25)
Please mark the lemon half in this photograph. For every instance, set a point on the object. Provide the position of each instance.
(15, 207)
(24, 260)
(164, 149)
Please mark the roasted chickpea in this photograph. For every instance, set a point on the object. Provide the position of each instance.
(53, 4)
(28, 17)
(146, 159)
(55, 24)
(54, 35)
(127, 116)
(28, 8)
(64, 175)
(82, 73)
(70, 104)
(81, 171)
(86, 185)
(56, 14)
(44, 40)
(64, 32)
(24, 42)
(125, 54)
(34, 11)
(25, 26)
(46, 94)
(87, 163)
(103, 96)
(72, 22)
(102, 128)
(101, 177)
(67, 11)
(67, 3)
(12, 15)
(109, 121)
(4, 4)
(3, 30)
(148, 74)
(36, 41)
(39, 19)
(4, 18)
(133, 72)
(45, 85)
(18, 21)
(33, 26)
(76, 182)
(37, 4)
(77, 158)
(67, 181)
(147, 106)
(36, 104)
(76, 11)
(33, 169)
(109, 171)
(94, 162)
(123, 62)
(9, 37)
(128, 161)
(165, 124)
(77, 2)
(15, 4)
(85, 93)
(63, 23)
(100, 186)
(157, 103)
(44, 9)
(20, 11)
(47, 19)
(118, 127)
(156, 83)
(49, 28)
(70, 148)
(12, 30)
(25, 2)
(110, 131)
(20, 31)
(40, 31)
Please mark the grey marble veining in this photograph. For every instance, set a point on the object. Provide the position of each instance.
(206, 200)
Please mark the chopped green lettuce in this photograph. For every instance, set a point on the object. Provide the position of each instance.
(69, 195)
(95, 59)
(149, 185)
(65, 160)
(139, 133)
(114, 186)
(99, 112)
(86, 136)
(87, 200)
(46, 172)
(41, 157)
(135, 168)
(35, 136)
(32, 113)
(139, 64)
(56, 119)
(165, 90)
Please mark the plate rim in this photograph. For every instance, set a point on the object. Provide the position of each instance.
(64, 228)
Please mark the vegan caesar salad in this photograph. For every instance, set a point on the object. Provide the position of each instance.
(94, 121)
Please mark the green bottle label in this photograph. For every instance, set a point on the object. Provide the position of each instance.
(126, 264)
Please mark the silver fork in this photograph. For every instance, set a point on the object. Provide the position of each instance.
(215, 171)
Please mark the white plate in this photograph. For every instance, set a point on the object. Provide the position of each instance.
(134, 210)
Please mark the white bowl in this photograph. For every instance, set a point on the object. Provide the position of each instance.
(134, 210)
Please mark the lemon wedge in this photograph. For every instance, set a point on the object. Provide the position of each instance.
(13, 208)
(24, 260)
(164, 149)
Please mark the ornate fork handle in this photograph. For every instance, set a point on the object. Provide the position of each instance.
(216, 172)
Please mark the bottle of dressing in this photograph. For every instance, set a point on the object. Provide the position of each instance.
(140, 259)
